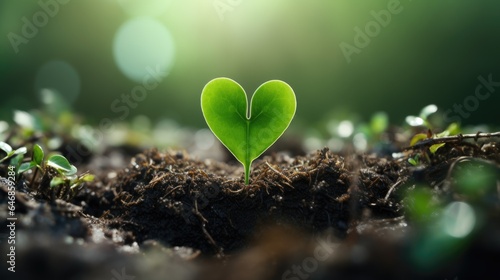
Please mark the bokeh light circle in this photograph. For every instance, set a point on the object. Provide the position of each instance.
(58, 76)
(459, 219)
(143, 45)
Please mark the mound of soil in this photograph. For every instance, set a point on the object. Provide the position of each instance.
(165, 215)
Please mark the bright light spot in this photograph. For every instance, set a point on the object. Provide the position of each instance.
(427, 110)
(141, 46)
(141, 123)
(168, 133)
(58, 76)
(359, 141)
(335, 144)
(54, 143)
(145, 7)
(24, 119)
(459, 219)
(204, 139)
(313, 143)
(3, 126)
(414, 121)
(345, 129)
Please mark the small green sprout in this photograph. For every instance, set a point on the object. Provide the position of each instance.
(415, 161)
(247, 131)
(422, 119)
(9, 152)
(59, 171)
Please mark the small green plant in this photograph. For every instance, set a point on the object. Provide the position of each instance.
(247, 131)
(57, 172)
(9, 152)
(423, 118)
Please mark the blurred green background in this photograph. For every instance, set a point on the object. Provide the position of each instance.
(95, 52)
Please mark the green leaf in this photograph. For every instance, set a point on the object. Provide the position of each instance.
(60, 163)
(428, 110)
(414, 121)
(87, 178)
(453, 128)
(5, 147)
(418, 137)
(37, 154)
(442, 134)
(26, 166)
(71, 172)
(56, 181)
(435, 147)
(379, 122)
(413, 162)
(20, 151)
(15, 161)
(247, 132)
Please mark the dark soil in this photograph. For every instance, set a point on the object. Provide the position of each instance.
(165, 215)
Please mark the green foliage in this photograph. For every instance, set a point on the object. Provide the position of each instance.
(379, 122)
(247, 131)
(422, 118)
(421, 205)
(9, 152)
(415, 161)
(57, 171)
(476, 181)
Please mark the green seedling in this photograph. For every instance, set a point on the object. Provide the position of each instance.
(452, 129)
(64, 183)
(9, 152)
(423, 117)
(247, 131)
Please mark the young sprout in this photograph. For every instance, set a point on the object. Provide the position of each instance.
(422, 119)
(247, 131)
(63, 180)
(9, 152)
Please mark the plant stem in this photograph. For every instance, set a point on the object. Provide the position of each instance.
(454, 138)
(247, 172)
(34, 177)
(248, 162)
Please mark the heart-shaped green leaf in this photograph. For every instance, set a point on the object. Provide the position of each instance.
(247, 132)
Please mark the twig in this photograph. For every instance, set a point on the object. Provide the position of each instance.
(398, 182)
(454, 138)
(449, 174)
(288, 181)
(204, 221)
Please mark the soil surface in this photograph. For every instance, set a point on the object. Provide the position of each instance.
(164, 215)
